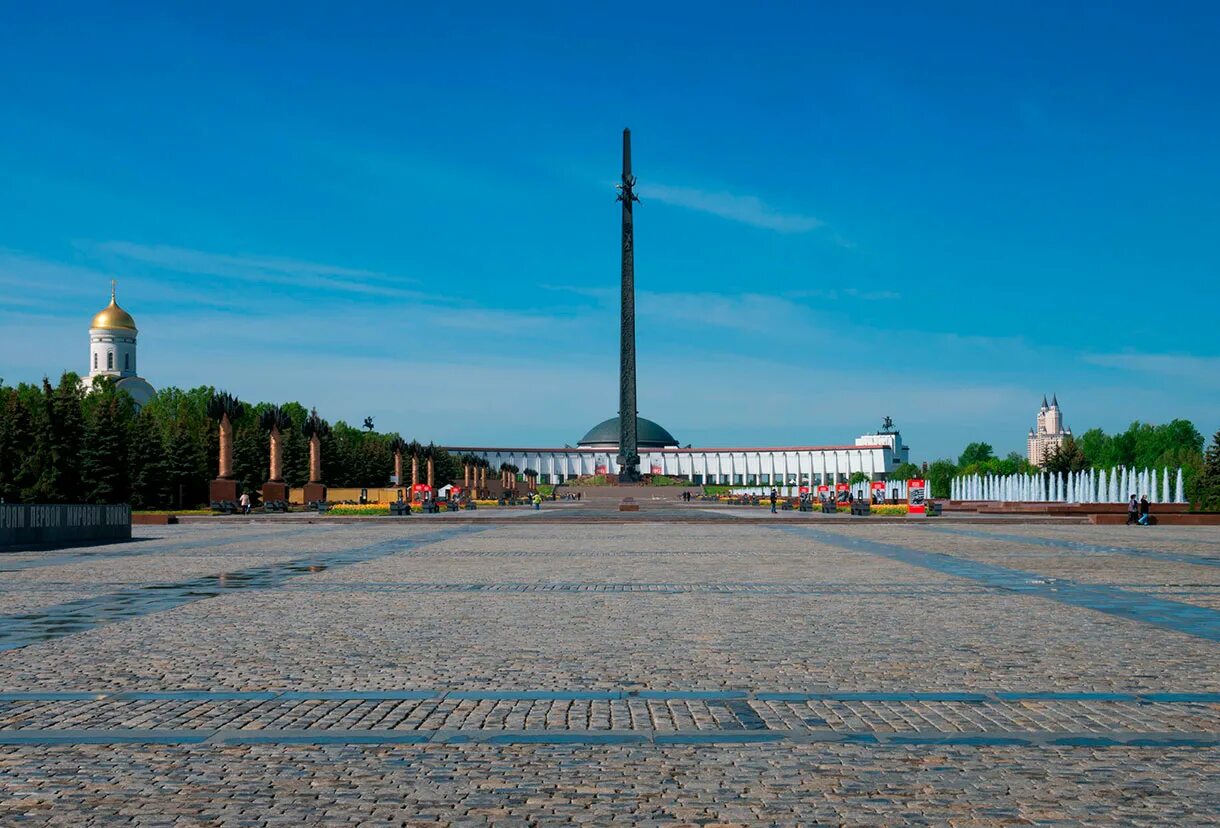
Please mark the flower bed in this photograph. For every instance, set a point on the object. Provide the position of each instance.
(358, 509)
(889, 509)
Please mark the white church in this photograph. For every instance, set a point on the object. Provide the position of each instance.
(112, 351)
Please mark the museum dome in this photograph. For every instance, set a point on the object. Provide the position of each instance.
(648, 435)
(113, 317)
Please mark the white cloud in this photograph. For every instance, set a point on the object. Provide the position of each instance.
(746, 209)
(260, 269)
(848, 292)
(1202, 370)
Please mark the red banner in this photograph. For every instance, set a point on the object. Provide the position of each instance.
(823, 492)
(599, 470)
(916, 497)
(654, 469)
(877, 488)
(803, 490)
(842, 490)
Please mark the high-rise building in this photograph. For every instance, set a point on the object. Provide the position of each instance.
(1049, 432)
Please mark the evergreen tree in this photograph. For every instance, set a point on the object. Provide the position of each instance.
(146, 463)
(56, 445)
(104, 454)
(1065, 457)
(1206, 490)
(250, 458)
(182, 475)
(68, 432)
(16, 439)
(296, 456)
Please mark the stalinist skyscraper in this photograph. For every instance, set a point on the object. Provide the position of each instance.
(1048, 433)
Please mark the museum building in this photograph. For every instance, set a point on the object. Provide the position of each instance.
(876, 455)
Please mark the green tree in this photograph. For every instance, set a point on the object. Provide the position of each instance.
(1065, 457)
(146, 463)
(16, 437)
(1205, 494)
(1098, 447)
(940, 477)
(858, 477)
(183, 475)
(104, 453)
(56, 447)
(296, 454)
(975, 453)
(249, 458)
(906, 471)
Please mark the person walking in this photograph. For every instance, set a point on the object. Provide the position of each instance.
(1133, 509)
(244, 500)
(1145, 508)
(773, 499)
(537, 502)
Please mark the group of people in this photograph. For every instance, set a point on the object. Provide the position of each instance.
(1138, 511)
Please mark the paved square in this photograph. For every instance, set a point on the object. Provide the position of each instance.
(537, 671)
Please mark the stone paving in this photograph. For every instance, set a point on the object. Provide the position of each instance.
(648, 672)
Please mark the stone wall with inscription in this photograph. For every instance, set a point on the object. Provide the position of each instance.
(45, 524)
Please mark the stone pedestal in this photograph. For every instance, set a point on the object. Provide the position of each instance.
(221, 489)
(275, 490)
(314, 492)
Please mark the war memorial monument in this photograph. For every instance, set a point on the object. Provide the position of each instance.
(689, 664)
(627, 447)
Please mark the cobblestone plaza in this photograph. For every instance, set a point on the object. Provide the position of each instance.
(537, 668)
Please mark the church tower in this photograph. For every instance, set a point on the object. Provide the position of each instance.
(112, 351)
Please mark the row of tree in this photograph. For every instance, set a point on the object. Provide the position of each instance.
(1177, 444)
(71, 444)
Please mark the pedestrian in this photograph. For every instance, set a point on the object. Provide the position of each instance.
(1133, 509)
(1144, 511)
(244, 500)
(773, 499)
(537, 502)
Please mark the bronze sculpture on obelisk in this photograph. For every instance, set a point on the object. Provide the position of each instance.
(628, 448)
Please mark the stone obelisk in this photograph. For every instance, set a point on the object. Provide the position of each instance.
(628, 448)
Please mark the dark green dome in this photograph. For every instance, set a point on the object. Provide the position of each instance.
(648, 434)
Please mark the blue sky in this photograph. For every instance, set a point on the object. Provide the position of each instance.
(848, 211)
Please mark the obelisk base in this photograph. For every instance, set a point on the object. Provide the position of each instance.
(314, 492)
(274, 490)
(222, 490)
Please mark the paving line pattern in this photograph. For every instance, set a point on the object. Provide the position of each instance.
(48, 623)
(319, 716)
(1081, 546)
(1146, 608)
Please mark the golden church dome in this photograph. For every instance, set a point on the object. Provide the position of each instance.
(113, 317)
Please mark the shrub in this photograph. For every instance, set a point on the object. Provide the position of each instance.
(665, 480)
